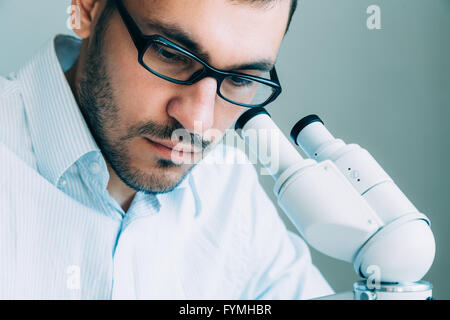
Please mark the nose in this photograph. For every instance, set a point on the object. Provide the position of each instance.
(193, 107)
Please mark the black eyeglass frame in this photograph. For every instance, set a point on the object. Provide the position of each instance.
(142, 42)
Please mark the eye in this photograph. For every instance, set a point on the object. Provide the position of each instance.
(240, 82)
(169, 55)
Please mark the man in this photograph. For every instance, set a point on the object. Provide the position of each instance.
(105, 189)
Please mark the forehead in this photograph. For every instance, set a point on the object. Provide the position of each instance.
(229, 31)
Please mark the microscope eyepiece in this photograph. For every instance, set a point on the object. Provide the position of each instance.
(263, 137)
(301, 124)
(310, 134)
(248, 115)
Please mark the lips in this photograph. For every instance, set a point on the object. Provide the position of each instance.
(175, 147)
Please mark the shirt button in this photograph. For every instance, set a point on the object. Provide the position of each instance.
(94, 167)
(63, 183)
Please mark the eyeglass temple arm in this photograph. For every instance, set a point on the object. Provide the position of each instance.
(131, 25)
(274, 75)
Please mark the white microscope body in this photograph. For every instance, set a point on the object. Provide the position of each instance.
(346, 206)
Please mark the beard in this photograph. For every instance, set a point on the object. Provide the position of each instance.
(97, 104)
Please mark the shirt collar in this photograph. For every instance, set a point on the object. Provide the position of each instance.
(58, 130)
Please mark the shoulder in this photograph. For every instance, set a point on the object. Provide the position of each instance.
(8, 86)
(10, 96)
(3, 83)
(13, 122)
(11, 104)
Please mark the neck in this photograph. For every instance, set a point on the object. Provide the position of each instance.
(123, 194)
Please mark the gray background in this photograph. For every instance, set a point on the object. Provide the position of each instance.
(387, 90)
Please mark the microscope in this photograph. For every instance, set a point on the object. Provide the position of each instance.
(346, 206)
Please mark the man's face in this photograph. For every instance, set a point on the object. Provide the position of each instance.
(130, 110)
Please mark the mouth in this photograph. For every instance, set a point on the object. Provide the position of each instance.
(169, 150)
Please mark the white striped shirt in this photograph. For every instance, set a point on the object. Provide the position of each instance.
(62, 236)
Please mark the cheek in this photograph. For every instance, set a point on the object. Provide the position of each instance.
(139, 95)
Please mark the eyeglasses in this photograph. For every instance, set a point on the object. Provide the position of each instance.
(173, 63)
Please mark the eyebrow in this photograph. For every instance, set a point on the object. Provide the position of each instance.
(176, 33)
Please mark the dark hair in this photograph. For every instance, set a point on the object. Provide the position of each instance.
(110, 6)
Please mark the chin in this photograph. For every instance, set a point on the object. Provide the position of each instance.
(163, 177)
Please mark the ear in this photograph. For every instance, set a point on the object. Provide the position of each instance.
(83, 14)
